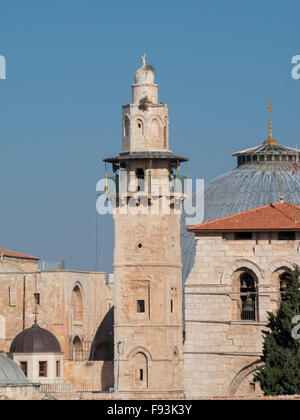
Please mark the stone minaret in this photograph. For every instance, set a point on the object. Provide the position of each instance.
(147, 256)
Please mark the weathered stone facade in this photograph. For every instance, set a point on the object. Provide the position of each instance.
(75, 306)
(147, 254)
(221, 349)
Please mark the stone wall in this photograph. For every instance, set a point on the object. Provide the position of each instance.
(93, 332)
(221, 350)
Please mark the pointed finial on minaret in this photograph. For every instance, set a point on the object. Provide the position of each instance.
(144, 59)
(270, 140)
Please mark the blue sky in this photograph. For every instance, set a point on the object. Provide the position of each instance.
(70, 64)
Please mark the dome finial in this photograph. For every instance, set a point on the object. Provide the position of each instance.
(270, 140)
(144, 59)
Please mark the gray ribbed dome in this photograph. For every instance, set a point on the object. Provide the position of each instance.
(250, 186)
(35, 340)
(10, 373)
(264, 175)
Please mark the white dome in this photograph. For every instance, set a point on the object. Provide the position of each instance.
(144, 75)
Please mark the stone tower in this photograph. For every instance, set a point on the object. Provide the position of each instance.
(147, 192)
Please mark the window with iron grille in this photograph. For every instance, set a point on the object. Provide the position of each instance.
(248, 297)
(42, 369)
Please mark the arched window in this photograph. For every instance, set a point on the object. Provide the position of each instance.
(156, 138)
(77, 349)
(126, 127)
(140, 370)
(245, 295)
(139, 128)
(283, 281)
(77, 305)
(155, 128)
(279, 281)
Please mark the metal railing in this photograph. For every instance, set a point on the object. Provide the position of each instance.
(58, 386)
(51, 265)
(247, 308)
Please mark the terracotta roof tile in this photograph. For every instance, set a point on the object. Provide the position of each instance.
(274, 216)
(13, 254)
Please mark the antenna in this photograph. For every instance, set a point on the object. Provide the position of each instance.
(281, 189)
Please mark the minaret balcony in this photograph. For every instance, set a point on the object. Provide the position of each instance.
(117, 186)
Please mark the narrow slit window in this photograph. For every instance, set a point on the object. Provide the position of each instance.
(141, 374)
(37, 298)
(58, 369)
(140, 306)
(172, 306)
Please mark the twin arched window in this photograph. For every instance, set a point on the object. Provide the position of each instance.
(245, 292)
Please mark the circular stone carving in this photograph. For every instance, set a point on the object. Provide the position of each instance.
(139, 231)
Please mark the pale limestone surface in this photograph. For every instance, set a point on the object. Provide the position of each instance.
(147, 260)
(57, 313)
(221, 350)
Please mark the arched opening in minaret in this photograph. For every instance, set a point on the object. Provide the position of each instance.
(139, 128)
(126, 127)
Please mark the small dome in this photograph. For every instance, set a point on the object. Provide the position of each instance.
(144, 75)
(35, 340)
(10, 372)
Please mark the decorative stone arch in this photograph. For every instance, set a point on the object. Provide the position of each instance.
(155, 124)
(276, 275)
(239, 378)
(155, 131)
(77, 303)
(77, 348)
(140, 360)
(275, 265)
(239, 264)
(139, 349)
(126, 125)
(139, 125)
(243, 277)
(2, 328)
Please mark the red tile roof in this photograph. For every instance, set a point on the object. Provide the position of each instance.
(13, 254)
(274, 216)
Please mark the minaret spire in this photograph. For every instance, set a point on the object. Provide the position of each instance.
(270, 140)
